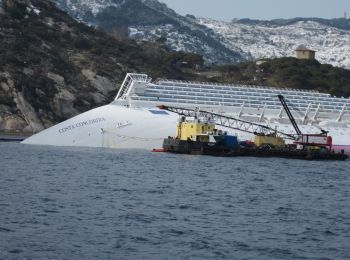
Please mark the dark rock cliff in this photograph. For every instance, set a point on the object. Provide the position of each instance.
(52, 67)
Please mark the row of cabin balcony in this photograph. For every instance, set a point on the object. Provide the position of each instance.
(247, 89)
(244, 91)
(327, 109)
(217, 101)
(218, 86)
(250, 87)
(234, 94)
(300, 103)
(293, 99)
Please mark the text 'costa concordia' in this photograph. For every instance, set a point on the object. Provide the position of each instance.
(132, 120)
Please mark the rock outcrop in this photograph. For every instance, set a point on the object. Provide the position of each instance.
(52, 67)
(19, 8)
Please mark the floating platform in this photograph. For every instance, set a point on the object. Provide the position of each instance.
(214, 149)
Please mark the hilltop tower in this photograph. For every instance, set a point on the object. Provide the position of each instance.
(304, 53)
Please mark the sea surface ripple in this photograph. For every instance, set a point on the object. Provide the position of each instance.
(83, 203)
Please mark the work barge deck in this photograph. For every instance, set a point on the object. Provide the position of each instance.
(196, 133)
(201, 148)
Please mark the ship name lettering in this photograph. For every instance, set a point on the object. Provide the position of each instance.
(81, 124)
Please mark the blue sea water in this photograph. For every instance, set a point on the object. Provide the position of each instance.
(82, 203)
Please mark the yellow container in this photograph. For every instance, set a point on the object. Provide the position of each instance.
(190, 130)
(276, 141)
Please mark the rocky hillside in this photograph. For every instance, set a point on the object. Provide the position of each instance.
(151, 20)
(340, 23)
(52, 67)
(218, 42)
(276, 39)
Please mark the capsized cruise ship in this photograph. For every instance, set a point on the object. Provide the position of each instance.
(133, 120)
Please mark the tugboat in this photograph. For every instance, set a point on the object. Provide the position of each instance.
(198, 137)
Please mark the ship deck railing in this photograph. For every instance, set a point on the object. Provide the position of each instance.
(160, 81)
(333, 107)
(235, 90)
(219, 102)
(291, 98)
(244, 89)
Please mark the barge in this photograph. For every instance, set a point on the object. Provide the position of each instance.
(289, 151)
(201, 137)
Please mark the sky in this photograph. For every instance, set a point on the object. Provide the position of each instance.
(226, 10)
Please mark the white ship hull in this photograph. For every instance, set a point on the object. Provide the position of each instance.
(110, 126)
(137, 123)
(120, 127)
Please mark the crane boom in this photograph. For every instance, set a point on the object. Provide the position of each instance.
(229, 122)
(320, 140)
(290, 116)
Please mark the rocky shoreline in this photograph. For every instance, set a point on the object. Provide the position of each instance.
(13, 136)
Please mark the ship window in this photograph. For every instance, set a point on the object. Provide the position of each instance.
(158, 112)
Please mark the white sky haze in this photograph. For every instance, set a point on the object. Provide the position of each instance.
(226, 10)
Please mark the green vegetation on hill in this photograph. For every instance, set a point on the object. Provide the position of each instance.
(290, 73)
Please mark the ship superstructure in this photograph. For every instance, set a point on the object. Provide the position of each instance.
(316, 106)
(132, 124)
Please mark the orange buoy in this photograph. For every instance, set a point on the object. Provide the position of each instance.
(160, 150)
